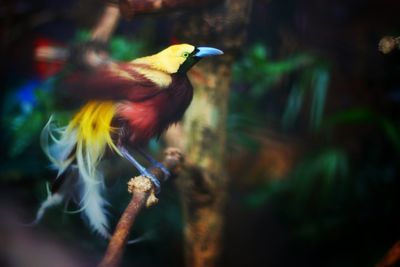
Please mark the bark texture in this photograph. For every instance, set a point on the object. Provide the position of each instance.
(204, 128)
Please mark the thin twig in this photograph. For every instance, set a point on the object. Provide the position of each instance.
(142, 191)
(107, 23)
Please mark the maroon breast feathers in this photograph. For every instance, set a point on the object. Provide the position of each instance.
(149, 118)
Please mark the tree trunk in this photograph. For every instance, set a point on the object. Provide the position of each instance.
(204, 128)
(203, 188)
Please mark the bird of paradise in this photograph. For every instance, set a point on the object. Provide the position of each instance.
(128, 103)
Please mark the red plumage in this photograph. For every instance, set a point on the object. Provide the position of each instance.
(125, 105)
(112, 81)
(151, 116)
(145, 109)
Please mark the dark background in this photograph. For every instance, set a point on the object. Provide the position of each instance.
(313, 127)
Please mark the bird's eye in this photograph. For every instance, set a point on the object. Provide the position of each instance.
(185, 54)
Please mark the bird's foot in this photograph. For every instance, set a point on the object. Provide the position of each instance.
(165, 171)
(153, 179)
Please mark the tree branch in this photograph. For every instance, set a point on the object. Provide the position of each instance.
(129, 8)
(107, 23)
(142, 190)
(204, 187)
(392, 257)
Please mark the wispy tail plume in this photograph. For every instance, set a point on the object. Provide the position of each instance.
(82, 143)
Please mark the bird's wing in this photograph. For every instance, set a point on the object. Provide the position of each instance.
(114, 81)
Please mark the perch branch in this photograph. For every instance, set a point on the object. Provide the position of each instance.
(142, 191)
(392, 257)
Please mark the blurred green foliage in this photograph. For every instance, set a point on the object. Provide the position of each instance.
(329, 188)
(120, 47)
(260, 73)
(254, 76)
(25, 119)
(387, 127)
(300, 78)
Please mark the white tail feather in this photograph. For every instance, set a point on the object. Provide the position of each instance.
(61, 148)
(61, 154)
(93, 206)
(51, 201)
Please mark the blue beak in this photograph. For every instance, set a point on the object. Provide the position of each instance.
(207, 52)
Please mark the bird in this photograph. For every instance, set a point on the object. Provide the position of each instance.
(124, 105)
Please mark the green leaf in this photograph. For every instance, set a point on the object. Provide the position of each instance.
(293, 106)
(364, 115)
(321, 83)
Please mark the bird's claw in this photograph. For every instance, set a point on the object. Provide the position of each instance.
(154, 180)
(165, 171)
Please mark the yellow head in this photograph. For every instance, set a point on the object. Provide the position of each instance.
(171, 58)
(178, 58)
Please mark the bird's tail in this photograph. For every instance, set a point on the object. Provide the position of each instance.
(82, 144)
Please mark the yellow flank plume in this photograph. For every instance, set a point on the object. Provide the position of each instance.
(83, 143)
(93, 123)
(93, 127)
